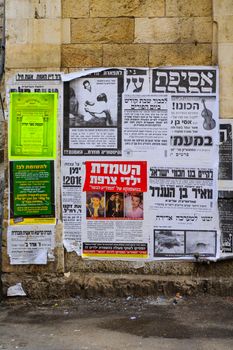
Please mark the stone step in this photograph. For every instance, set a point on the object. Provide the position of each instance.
(115, 285)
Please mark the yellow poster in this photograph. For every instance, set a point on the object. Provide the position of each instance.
(33, 126)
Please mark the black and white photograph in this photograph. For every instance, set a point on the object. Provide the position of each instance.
(225, 207)
(93, 104)
(92, 114)
(201, 242)
(168, 243)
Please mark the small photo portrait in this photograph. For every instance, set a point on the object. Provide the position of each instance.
(114, 205)
(169, 242)
(202, 242)
(134, 205)
(95, 205)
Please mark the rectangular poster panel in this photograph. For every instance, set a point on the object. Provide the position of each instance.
(116, 176)
(114, 224)
(148, 142)
(225, 174)
(225, 207)
(93, 114)
(72, 180)
(146, 126)
(183, 207)
(33, 126)
(193, 110)
(136, 81)
(32, 196)
(30, 244)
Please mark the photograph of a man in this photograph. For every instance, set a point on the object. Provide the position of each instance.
(99, 111)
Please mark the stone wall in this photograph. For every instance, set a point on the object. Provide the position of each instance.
(223, 19)
(68, 35)
(136, 33)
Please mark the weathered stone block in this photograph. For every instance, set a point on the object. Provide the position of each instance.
(75, 8)
(102, 30)
(187, 8)
(66, 31)
(225, 56)
(156, 30)
(196, 29)
(181, 54)
(225, 29)
(226, 81)
(30, 55)
(226, 107)
(33, 31)
(17, 31)
(45, 31)
(125, 55)
(72, 70)
(173, 30)
(122, 8)
(16, 9)
(33, 9)
(222, 7)
(82, 55)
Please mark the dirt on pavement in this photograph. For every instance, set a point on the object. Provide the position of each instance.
(202, 322)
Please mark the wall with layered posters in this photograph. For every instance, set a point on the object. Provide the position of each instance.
(132, 176)
(139, 162)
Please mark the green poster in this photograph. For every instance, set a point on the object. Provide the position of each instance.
(32, 192)
(33, 125)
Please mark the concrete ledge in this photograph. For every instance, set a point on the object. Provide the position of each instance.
(113, 285)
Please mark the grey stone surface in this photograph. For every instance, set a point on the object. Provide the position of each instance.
(200, 323)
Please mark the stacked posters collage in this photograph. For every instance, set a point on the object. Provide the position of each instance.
(134, 163)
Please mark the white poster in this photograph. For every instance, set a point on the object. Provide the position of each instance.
(114, 120)
(30, 244)
(72, 179)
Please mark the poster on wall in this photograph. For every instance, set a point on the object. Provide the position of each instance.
(145, 126)
(183, 207)
(30, 244)
(225, 206)
(114, 223)
(150, 183)
(225, 175)
(38, 82)
(33, 126)
(72, 179)
(92, 123)
(32, 192)
(193, 110)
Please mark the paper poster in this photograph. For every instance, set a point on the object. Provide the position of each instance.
(193, 129)
(183, 207)
(117, 176)
(93, 114)
(225, 174)
(148, 140)
(33, 126)
(72, 180)
(225, 206)
(30, 244)
(114, 222)
(32, 193)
